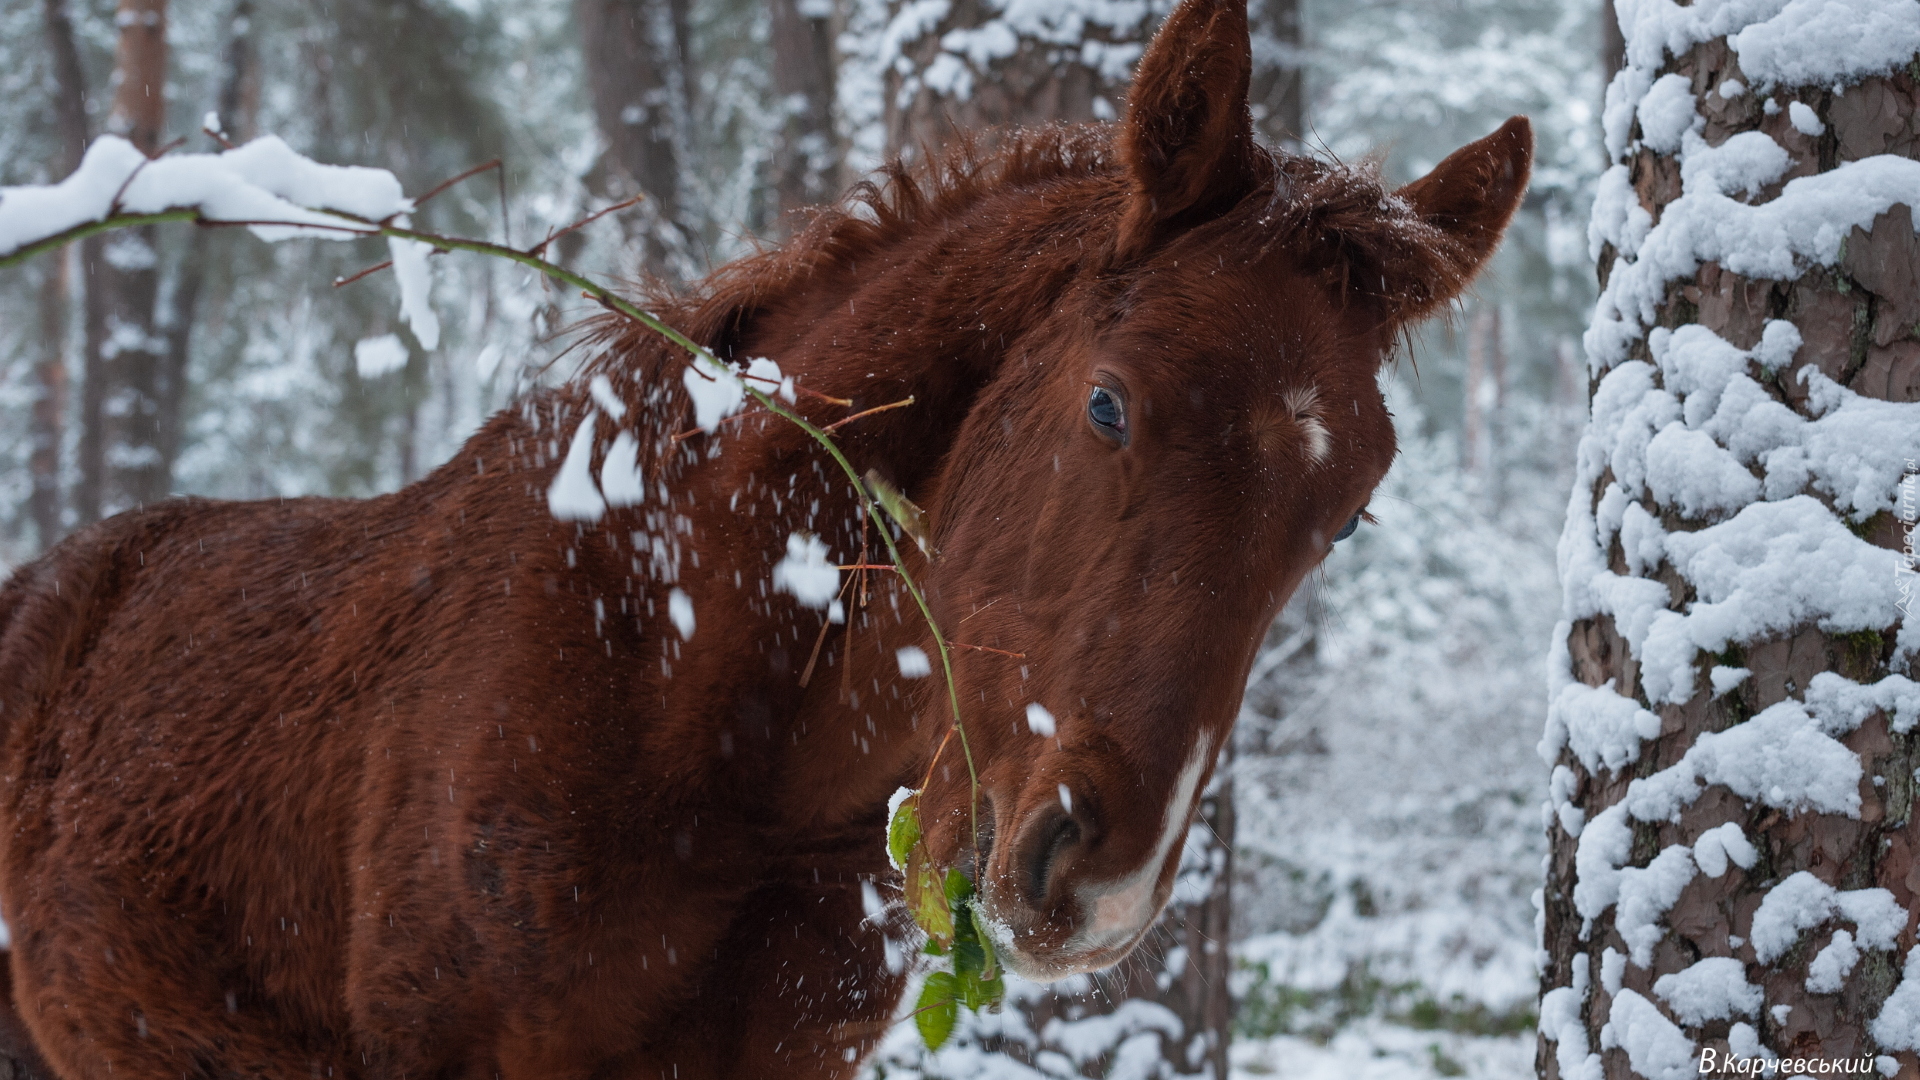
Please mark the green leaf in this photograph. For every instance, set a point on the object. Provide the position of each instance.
(927, 899)
(903, 832)
(969, 953)
(959, 889)
(938, 1009)
(990, 966)
(911, 519)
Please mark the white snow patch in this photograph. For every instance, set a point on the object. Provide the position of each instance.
(1560, 1023)
(1725, 679)
(601, 388)
(1804, 119)
(680, 610)
(1600, 726)
(1828, 971)
(410, 269)
(1667, 113)
(913, 662)
(1648, 893)
(379, 355)
(715, 389)
(1656, 1048)
(1715, 988)
(620, 479)
(1803, 901)
(808, 574)
(1829, 41)
(572, 496)
(1716, 846)
(1898, 1025)
(1841, 705)
(1779, 757)
(1039, 720)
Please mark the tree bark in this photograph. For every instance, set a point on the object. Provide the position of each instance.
(121, 463)
(955, 78)
(806, 163)
(1796, 887)
(635, 52)
(50, 372)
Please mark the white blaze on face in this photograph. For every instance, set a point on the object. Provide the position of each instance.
(1119, 910)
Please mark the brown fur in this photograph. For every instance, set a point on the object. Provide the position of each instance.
(429, 784)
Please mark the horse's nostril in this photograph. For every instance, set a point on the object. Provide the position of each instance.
(1051, 839)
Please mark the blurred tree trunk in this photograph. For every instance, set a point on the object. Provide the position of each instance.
(1185, 963)
(1065, 65)
(1279, 89)
(806, 163)
(50, 373)
(1788, 895)
(237, 104)
(637, 74)
(1613, 44)
(121, 464)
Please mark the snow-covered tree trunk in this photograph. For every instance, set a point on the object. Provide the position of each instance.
(636, 60)
(1732, 718)
(121, 464)
(806, 162)
(991, 63)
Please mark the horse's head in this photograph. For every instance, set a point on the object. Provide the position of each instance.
(1157, 464)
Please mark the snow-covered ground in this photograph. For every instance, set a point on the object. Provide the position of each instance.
(1376, 1050)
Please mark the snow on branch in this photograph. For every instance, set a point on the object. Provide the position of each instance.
(265, 185)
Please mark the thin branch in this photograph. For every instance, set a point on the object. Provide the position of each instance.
(986, 648)
(93, 228)
(445, 184)
(683, 436)
(799, 389)
(837, 424)
(539, 248)
(869, 566)
(374, 269)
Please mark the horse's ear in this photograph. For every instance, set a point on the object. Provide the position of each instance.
(1468, 199)
(1187, 142)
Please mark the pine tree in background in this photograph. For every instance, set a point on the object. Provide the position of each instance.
(990, 63)
(806, 161)
(51, 382)
(637, 63)
(1732, 723)
(121, 464)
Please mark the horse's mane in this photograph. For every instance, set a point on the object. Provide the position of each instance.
(1336, 213)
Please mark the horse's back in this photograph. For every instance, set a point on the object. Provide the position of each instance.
(178, 694)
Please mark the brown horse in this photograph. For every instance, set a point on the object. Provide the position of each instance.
(439, 785)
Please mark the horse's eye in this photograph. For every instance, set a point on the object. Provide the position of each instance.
(1347, 529)
(1103, 408)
